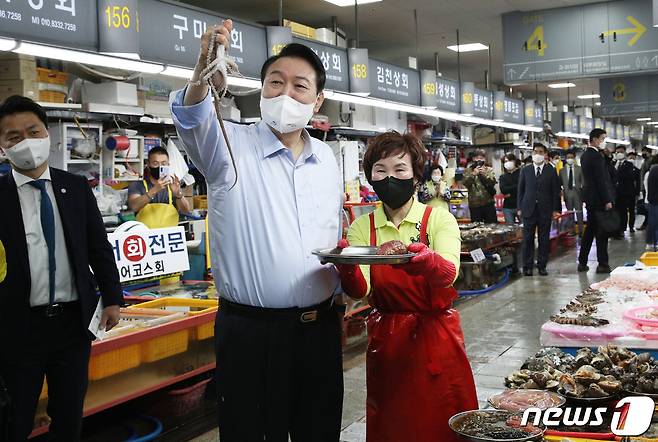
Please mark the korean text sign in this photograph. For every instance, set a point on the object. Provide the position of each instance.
(149, 253)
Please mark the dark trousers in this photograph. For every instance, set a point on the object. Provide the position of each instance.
(57, 348)
(626, 209)
(652, 229)
(485, 214)
(542, 227)
(591, 232)
(278, 376)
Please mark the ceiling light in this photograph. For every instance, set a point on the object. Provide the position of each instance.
(88, 58)
(598, 103)
(585, 97)
(375, 102)
(644, 119)
(351, 2)
(653, 123)
(469, 47)
(561, 85)
(7, 44)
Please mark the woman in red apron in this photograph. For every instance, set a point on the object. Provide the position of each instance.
(418, 374)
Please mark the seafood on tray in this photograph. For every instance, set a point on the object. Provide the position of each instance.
(493, 424)
(394, 247)
(584, 319)
(520, 400)
(588, 375)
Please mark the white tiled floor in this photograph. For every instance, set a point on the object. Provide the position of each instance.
(509, 335)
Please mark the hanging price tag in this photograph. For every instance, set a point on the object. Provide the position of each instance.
(478, 255)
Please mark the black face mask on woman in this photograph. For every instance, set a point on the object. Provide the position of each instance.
(394, 192)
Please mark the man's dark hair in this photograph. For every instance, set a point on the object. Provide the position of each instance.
(296, 50)
(553, 154)
(158, 150)
(571, 152)
(18, 104)
(536, 145)
(596, 133)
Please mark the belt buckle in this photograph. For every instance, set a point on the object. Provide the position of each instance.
(309, 316)
(54, 310)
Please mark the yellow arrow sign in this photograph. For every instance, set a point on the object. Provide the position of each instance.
(638, 30)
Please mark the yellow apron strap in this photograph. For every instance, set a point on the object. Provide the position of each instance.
(3, 262)
(169, 191)
(146, 186)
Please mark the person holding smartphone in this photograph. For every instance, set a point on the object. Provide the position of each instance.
(158, 199)
(480, 181)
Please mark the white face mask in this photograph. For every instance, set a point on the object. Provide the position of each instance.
(602, 145)
(537, 158)
(436, 177)
(509, 165)
(570, 161)
(285, 114)
(29, 153)
(620, 156)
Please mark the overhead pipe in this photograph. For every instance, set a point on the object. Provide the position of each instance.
(280, 12)
(459, 62)
(356, 21)
(334, 28)
(436, 64)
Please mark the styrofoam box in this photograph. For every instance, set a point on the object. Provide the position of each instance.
(113, 93)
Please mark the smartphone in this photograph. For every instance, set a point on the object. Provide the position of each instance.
(165, 172)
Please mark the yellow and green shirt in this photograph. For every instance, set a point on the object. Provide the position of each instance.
(442, 231)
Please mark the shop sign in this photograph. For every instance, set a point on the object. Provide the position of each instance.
(619, 131)
(118, 27)
(428, 88)
(468, 98)
(629, 95)
(482, 103)
(68, 23)
(589, 125)
(582, 124)
(613, 37)
(610, 129)
(149, 253)
(539, 115)
(277, 38)
(499, 106)
(599, 123)
(627, 133)
(334, 60)
(570, 122)
(359, 71)
(529, 112)
(394, 83)
(513, 110)
(170, 34)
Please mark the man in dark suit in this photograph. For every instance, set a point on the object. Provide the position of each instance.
(628, 189)
(598, 196)
(538, 203)
(572, 188)
(54, 230)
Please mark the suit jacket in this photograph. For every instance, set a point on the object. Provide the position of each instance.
(597, 182)
(86, 243)
(541, 194)
(628, 181)
(577, 177)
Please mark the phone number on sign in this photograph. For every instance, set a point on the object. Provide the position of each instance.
(16, 16)
(57, 24)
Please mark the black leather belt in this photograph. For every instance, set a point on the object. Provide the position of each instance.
(303, 314)
(57, 309)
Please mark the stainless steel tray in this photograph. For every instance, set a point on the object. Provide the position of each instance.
(360, 255)
(455, 421)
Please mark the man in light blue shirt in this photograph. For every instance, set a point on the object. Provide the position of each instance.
(279, 365)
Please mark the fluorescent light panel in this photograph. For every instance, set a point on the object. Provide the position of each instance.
(344, 3)
(653, 123)
(561, 85)
(644, 119)
(7, 44)
(366, 101)
(468, 47)
(598, 103)
(585, 97)
(87, 58)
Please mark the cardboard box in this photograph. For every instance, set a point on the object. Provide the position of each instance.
(18, 70)
(111, 92)
(25, 88)
(15, 56)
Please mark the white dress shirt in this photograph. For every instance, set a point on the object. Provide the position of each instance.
(539, 167)
(37, 249)
(263, 230)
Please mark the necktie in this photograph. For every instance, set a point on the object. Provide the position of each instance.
(48, 227)
(538, 172)
(570, 177)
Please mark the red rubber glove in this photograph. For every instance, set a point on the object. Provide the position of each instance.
(438, 271)
(351, 278)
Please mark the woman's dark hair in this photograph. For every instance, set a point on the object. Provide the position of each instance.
(510, 157)
(393, 143)
(18, 104)
(433, 167)
(296, 50)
